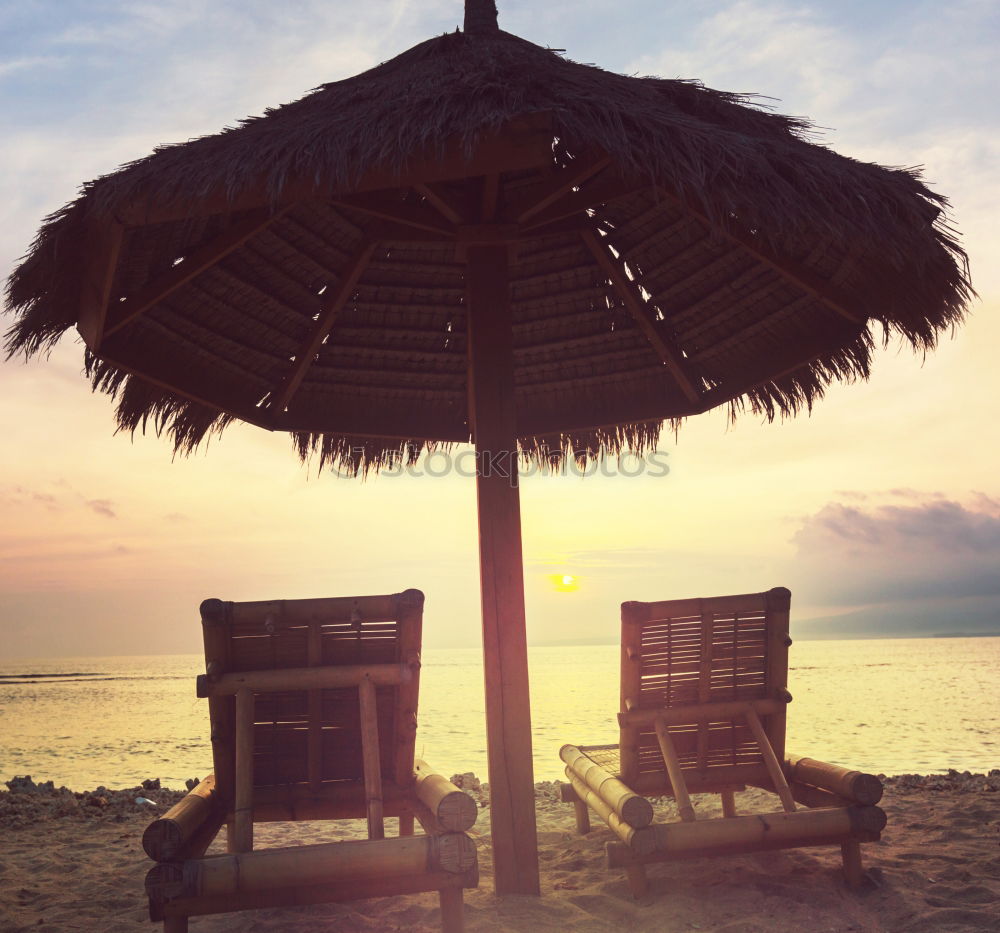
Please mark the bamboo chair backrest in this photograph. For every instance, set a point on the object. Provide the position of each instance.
(682, 654)
(313, 737)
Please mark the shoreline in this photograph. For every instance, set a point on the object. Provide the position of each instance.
(40, 791)
(72, 860)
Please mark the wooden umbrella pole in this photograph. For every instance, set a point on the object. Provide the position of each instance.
(505, 655)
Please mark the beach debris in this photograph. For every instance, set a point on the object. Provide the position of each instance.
(97, 800)
(146, 802)
(192, 783)
(467, 781)
(24, 785)
(151, 784)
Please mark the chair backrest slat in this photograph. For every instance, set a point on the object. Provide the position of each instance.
(691, 652)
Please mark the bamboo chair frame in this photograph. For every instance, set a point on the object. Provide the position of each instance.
(313, 708)
(703, 703)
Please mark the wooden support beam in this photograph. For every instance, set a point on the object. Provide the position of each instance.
(718, 711)
(642, 314)
(387, 206)
(242, 836)
(329, 308)
(203, 257)
(490, 197)
(442, 203)
(104, 242)
(314, 746)
(577, 203)
(408, 612)
(339, 800)
(705, 681)
(296, 895)
(560, 182)
(778, 601)
(793, 272)
(850, 853)
(770, 760)
(638, 883)
(273, 870)
(728, 803)
(329, 677)
(673, 766)
(505, 658)
(452, 910)
(221, 710)
(756, 832)
(370, 758)
(630, 683)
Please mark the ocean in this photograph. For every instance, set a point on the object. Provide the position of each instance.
(881, 705)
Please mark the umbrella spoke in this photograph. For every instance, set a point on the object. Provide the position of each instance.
(786, 267)
(204, 257)
(329, 309)
(398, 211)
(561, 182)
(442, 203)
(643, 315)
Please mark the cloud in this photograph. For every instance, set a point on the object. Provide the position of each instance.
(17, 495)
(852, 555)
(103, 507)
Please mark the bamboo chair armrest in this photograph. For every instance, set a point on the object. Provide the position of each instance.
(188, 827)
(855, 786)
(452, 808)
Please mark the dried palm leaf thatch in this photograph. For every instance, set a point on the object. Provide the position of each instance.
(709, 254)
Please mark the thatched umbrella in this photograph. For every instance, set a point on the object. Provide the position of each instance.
(482, 240)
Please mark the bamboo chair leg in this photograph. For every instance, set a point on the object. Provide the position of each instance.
(582, 817)
(452, 910)
(850, 852)
(673, 765)
(770, 760)
(728, 803)
(242, 835)
(405, 824)
(175, 925)
(638, 883)
(370, 758)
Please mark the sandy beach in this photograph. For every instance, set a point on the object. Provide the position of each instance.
(73, 861)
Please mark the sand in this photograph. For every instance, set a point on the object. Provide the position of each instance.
(73, 861)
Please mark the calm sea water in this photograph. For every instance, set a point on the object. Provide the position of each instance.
(889, 706)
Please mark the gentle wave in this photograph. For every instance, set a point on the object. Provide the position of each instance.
(18, 679)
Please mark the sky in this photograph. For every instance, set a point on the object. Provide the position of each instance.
(880, 510)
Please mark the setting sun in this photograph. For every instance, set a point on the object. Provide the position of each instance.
(564, 582)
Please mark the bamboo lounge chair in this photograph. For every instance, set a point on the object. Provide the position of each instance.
(313, 709)
(703, 698)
